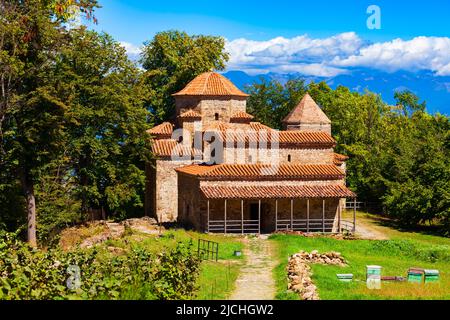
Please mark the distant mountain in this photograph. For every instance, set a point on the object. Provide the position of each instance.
(434, 90)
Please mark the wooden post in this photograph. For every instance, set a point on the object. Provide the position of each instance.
(292, 214)
(225, 215)
(276, 215)
(242, 216)
(207, 222)
(339, 216)
(323, 215)
(307, 215)
(259, 216)
(354, 215)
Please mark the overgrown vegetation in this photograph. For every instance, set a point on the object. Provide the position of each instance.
(29, 273)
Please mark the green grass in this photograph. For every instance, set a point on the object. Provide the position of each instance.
(216, 279)
(395, 256)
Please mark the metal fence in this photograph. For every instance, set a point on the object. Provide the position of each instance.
(208, 250)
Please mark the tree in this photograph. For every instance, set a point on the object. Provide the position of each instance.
(172, 59)
(105, 121)
(270, 101)
(31, 33)
(409, 102)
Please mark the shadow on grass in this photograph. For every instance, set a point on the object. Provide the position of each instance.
(424, 229)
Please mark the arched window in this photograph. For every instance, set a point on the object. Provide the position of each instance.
(216, 116)
(289, 158)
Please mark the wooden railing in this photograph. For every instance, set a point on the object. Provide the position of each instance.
(234, 226)
(305, 225)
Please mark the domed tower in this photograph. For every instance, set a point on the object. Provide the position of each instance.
(213, 97)
(307, 116)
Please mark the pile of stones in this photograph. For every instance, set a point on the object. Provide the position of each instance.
(299, 272)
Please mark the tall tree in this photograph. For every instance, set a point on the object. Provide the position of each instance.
(173, 58)
(105, 121)
(31, 33)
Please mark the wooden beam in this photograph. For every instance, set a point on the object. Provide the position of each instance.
(339, 216)
(207, 222)
(323, 215)
(259, 216)
(292, 214)
(307, 215)
(242, 216)
(354, 215)
(225, 220)
(276, 215)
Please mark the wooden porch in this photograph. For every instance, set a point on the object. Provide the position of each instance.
(293, 222)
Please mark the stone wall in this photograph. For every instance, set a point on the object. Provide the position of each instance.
(282, 155)
(191, 205)
(223, 106)
(317, 127)
(162, 195)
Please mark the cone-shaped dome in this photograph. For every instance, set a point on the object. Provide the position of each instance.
(307, 112)
(211, 84)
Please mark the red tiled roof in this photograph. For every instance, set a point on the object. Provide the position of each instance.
(210, 84)
(164, 130)
(258, 171)
(190, 114)
(169, 147)
(307, 111)
(241, 116)
(339, 158)
(274, 192)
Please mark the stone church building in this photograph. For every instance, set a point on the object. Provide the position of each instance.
(217, 170)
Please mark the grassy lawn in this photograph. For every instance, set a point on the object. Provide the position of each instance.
(396, 255)
(216, 279)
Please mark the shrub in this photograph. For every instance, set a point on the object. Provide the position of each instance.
(27, 273)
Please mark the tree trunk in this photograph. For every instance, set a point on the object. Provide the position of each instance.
(28, 189)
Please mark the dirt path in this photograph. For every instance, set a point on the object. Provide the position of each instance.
(256, 280)
(366, 229)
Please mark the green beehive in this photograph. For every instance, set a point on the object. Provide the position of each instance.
(415, 277)
(431, 275)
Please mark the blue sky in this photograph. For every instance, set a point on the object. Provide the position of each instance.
(135, 21)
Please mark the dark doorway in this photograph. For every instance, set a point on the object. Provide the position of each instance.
(254, 209)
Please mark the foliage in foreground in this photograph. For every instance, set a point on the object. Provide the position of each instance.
(28, 273)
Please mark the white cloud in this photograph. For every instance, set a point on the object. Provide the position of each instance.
(333, 55)
(133, 50)
(420, 53)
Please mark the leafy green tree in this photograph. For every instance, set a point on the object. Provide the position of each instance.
(31, 32)
(409, 102)
(270, 101)
(105, 121)
(172, 59)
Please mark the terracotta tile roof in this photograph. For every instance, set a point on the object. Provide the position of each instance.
(190, 115)
(307, 111)
(164, 130)
(217, 125)
(241, 116)
(274, 192)
(265, 171)
(169, 147)
(210, 84)
(259, 126)
(339, 158)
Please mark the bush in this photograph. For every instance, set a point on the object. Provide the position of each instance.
(27, 273)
